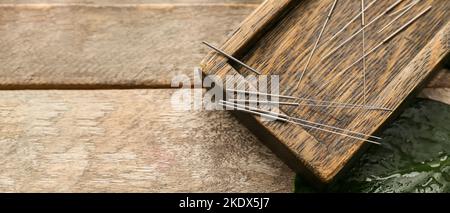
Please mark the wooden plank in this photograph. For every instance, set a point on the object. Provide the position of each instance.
(394, 71)
(441, 80)
(251, 29)
(82, 46)
(438, 89)
(127, 141)
(103, 2)
(436, 94)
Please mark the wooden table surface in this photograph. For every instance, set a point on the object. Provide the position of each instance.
(85, 100)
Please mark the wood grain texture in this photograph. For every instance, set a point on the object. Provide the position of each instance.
(127, 141)
(82, 46)
(436, 94)
(441, 80)
(122, 2)
(250, 30)
(438, 89)
(394, 72)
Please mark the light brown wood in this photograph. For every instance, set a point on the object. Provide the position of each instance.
(441, 80)
(281, 47)
(58, 140)
(438, 89)
(436, 94)
(251, 29)
(83, 46)
(127, 141)
(122, 2)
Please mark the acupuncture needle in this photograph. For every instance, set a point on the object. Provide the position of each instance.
(333, 6)
(394, 5)
(301, 120)
(311, 105)
(231, 58)
(354, 35)
(351, 21)
(402, 9)
(363, 22)
(359, 14)
(389, 37)
(289, 120)
(399, 15)
(265, 102)
(311, 100)
(298, 123)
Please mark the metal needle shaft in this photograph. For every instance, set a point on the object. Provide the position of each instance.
(311, 105)
(324, 103)
(402, 9)
(354, 35)
(363, 22)
(317, 41)
(232, 58)
(399, 15)
(350, 22)
(356, 17)
(266, 102)
(389, 38)
(394, 5)
(301, 120)
(298, 123)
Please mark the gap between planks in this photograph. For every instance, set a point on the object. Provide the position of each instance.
(438, 82)
(84, 87)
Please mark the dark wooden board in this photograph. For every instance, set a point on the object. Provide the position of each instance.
(277, 39)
